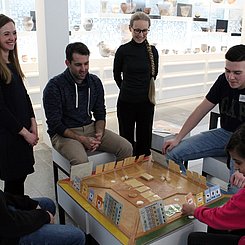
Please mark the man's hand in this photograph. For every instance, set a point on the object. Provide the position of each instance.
(99, 136)
(237, 179)
(169, 145)
(90, 143)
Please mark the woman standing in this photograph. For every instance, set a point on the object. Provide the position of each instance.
(18, 127)
(135, 68)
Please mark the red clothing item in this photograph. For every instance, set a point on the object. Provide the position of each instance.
(230, 216)
(242, 241)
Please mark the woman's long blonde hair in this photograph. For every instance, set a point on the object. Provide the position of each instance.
(5, 73)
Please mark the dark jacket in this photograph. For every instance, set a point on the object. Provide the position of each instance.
(69, 105)
(22, 220)
(16, 155)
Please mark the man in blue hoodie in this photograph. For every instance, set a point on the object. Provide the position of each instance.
(74, 105)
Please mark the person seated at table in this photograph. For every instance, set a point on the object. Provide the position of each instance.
(226, 223)
(74, 106)
(229, 93)
(26, 221)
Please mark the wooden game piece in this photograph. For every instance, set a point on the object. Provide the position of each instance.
(134, 183)
(129, 160)
(99, 169)
(147, 194)
(215, 192)
(146, 176)
(168, 179)
(171, 165)
(190, 199)
(207, 195)
(76, 183)
(106, 167)
(132, 195)
(203, 180)
(199, 198)
(154, 198)
(119, 164)
(111, 165)
(91, 195)
(142, 188)
(99, 202)
(196, 177)
(84, 190)
(139, 203)
(189, 174)
(140, 158)
(177, 169)
(126, 177)
(152, 215)
(123, 178)
(163, 178)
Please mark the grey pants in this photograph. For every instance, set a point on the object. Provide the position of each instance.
(75, 152)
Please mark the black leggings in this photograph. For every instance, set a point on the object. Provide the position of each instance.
(136, 119)
(15, 187)
(214, 237)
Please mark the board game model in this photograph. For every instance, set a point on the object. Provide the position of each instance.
(141, 196)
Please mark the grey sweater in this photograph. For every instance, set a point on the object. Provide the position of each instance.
(69, 105)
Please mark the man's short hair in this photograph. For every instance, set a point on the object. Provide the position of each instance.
(236, 53)
(78, 48)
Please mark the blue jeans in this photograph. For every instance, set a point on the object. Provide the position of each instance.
(210, 143)
(53, 234)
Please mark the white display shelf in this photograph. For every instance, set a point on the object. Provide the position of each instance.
(180, 76)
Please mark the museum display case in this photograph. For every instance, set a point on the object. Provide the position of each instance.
(191, 45)
(191, 37)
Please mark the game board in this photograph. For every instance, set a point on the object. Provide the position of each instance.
(142, 196)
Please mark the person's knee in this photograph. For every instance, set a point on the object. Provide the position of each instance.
(46, 204)
(194, 238)
(170, 155)
(175, 154)
(127, 149)
(77, 236)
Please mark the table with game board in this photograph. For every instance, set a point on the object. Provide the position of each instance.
(136, 202)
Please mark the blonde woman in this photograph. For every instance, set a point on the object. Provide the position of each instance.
(135, 69)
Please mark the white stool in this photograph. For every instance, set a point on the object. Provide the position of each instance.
(216, 167)
(61, 163)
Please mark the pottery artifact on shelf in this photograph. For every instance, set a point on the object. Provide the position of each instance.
(164, 8)
(185, 10)
(88, 24)
(147, 10)
(124, 7)
(105, 50)
(217, 1)
(27, 23)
